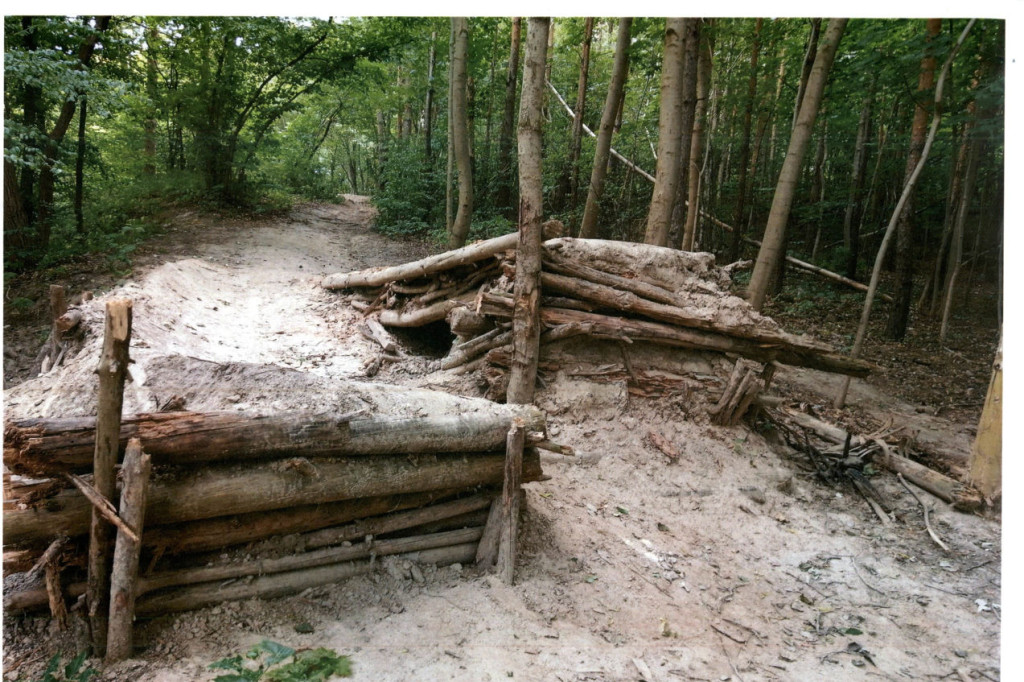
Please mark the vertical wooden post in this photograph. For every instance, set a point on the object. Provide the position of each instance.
(511, 497)
(987, 452)
(124, 577)
(112, 370)
(51, 349)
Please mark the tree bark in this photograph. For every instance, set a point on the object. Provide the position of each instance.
(225, 490)
(705, 48)
(677, 225)
(805, 73)
(669, 131)
(588, 226)
(778, 217)
(112, 370)
(461, 133)
(50, 447)
(503, 199)
(986, 467)
(899, 315)
(511, 501)
(748, 111)
(80, 169)
(525, 317)
(125, 575)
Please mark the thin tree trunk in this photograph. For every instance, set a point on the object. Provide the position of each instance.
(677, 226)
(80, 170)
(149, 127)
(503, 196)
(855, 203)
(526, 312)
(568, 182)
(957, 247)
(588, 226)
(899, 315)
(449, 199)
(705, 48)
(805, 73)
(669, 129)
(748, 111)
(908, 188)
(461, 133)
(428, 108)
(775, 230)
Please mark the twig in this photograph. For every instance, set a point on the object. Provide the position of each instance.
(927, 522)
(869, 585)
(102, 505)
(50, 555)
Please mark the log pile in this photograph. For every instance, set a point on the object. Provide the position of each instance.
(612, 291)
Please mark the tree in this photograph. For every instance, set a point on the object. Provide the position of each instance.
(526, 313)
(899, 316)
(775, 231)
(461, 133)
(855, 201)
(748, 109)
(669, 131)
(588, 226)
(504, 190)
(689, 110)
(705, 48)
(568, 182)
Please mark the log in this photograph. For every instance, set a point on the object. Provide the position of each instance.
(282, 584)
(470, 350)
(380, 335)
(678, 312)
(617, 328)
(68, 321)
(313, 567)
(511, 496)
(53, 446)
(225, 490)
(375, 277)
(112, 370)
(125, 574)
(423, 316)
(487, 550)
(466, 323)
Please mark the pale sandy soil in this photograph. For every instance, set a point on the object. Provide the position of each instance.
(728, 564)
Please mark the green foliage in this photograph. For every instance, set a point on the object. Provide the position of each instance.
(263, 662)
(72, 672)
(408, 201)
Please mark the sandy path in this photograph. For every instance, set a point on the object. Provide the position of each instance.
(730, 563)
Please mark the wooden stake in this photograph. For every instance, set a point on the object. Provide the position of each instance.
(487, 550)
(103, 506)
(112, 370)
(124, 578)
(511, 496)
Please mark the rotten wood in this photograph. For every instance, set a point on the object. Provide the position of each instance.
(487, 550)
(124, 577)
(511, 500)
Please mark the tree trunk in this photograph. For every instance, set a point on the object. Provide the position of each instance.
(588, 226)
(669, 130)
(461, 133)
(503, 199)
(775, 231)
(568, 182)
(748, 110)
(428, 109)
(526, 313)
(986, 465)
(677, 225)
(149, 126)
(809, 56)
(705, 48)
(855, 203)
(956, 249)
(80, 170)
(899, 316)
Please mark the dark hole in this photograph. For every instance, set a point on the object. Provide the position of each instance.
(432, 340)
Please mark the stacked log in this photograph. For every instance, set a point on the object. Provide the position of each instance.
(612, 291)
(312, 497)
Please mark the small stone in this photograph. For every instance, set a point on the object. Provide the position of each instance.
(961, 653)
(304, 628)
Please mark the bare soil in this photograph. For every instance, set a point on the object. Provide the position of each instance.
(730, 563)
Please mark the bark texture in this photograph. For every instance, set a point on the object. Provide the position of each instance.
(504, 193)
(461, 133)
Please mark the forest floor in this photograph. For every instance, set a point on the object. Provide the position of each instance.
(729, 563)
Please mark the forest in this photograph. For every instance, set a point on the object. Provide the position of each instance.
(725, 293)
(109, 119)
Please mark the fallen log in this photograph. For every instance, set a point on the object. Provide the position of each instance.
(415, 548)
(52, 446)
(224, 490)
(618, 328)
(419, 317)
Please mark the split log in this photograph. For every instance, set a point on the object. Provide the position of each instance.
(511, 501)
(125, 574)
(294, 570)
(618, 328)
(51, 446)
(225, 490)
(380, 335)
(112, 371)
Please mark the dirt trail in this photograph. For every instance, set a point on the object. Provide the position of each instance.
(730, 563)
